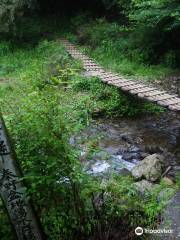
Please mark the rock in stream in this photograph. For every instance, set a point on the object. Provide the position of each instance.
(124, 143)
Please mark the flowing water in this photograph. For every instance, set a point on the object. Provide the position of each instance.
(114, 146)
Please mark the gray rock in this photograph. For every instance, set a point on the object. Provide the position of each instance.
(144, 186)
(150, 168)
(165, 194)
(125, 172)
(167, 181)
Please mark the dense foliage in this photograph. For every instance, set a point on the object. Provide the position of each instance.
(160, 21)
(10, 11)
(164, 13)
(50, 100)
(118, 48)
(156, 27)
(155, 24)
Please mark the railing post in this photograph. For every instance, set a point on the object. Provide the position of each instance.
(12, 192)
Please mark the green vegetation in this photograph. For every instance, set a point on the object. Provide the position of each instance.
(157, 25)
(122, 41)
(11, 11)
(48, 100)
(115, 47)
(154, 26)
(45, 99)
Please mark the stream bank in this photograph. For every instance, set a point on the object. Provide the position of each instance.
(122, 143)
(116, 146)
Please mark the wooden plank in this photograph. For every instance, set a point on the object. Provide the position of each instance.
(109, 74)
(89, 61)
(164, 104)
(175, 107)
(77, 54)
(163, 97)
(142, 91)
(146, 91)
(91, 70)
(124, 84)
(109, 78)
(105, 75)
(133, 87)
(114, 80)
(170, 101)
(153, 93)
(149, 98)
(92, 67)
(119, 81)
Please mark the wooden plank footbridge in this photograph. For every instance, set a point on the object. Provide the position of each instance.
(143, 91)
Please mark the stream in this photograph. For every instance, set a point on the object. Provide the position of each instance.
(116, 146)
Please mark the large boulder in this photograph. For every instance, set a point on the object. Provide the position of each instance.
(150, 168)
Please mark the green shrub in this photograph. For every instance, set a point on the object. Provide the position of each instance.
(162, 28)
(124, 49)
(6, 232)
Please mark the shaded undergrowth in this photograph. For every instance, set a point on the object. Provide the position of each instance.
(45, 99)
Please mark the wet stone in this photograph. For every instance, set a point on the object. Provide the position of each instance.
(165, 194)
(123, 143)
(150, 168)
(125, 172)
(144, 187)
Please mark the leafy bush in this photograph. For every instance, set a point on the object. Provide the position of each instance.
(164, 13)
(5, 48)
(122, 49)
(50, 167)
(162, 28)
(5, 230)
(109, 101)
(145, 43)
